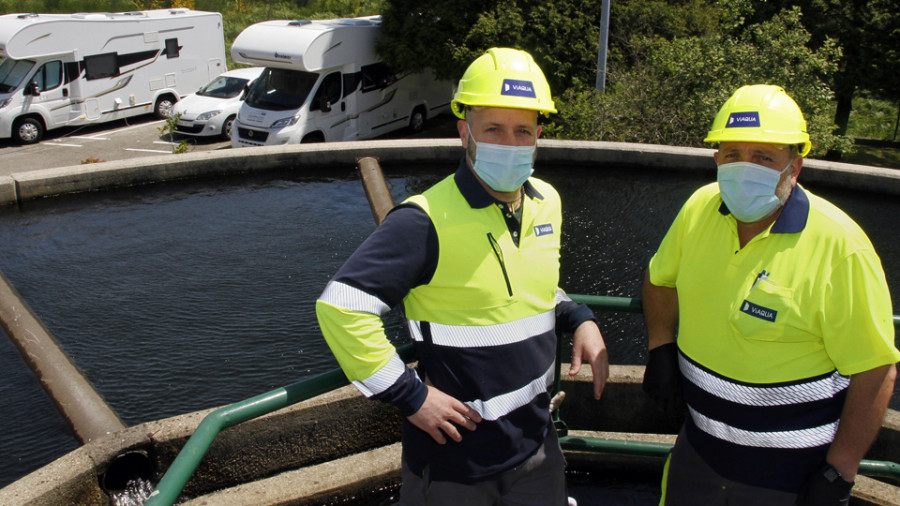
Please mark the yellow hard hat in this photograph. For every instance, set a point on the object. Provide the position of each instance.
(760, 113)
(503, 77)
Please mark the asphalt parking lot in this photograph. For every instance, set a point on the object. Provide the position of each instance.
(134, 138)
(117, 140)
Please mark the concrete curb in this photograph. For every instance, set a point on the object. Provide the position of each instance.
(27, 185)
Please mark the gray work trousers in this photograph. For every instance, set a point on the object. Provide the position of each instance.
(539, 481)
(689, 481)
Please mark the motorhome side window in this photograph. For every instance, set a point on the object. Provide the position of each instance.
(376, 77)
(328, 94)
(49, 76)
(172, 49)
(100, 66)
(351, 82)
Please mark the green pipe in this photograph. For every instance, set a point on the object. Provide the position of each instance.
(880, 469)
(603, 445)
(609, 303)
(871, 468)
(178, 474)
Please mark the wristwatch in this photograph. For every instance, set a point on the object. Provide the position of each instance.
(831, 474)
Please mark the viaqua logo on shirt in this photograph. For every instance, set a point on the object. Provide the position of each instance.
(758, 311)
(545, 229)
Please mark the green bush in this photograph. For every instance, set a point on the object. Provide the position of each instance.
(672, 92)
(873, 119)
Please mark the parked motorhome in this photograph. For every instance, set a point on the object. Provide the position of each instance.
(324, 82)
(75, 69)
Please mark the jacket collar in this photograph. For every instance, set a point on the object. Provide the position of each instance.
(792, 218)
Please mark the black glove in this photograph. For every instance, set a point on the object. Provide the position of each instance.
(824, 487)
(662, 378)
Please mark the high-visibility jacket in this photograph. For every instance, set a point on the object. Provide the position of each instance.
(483, 306)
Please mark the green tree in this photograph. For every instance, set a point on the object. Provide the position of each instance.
(868, 33)
(674, 88)
(561, 35)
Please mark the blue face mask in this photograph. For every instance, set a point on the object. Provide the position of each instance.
(503, 168)
(748, 190)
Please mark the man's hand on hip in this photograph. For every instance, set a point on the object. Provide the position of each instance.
(440, 414)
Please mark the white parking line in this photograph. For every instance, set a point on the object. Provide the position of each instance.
(166, 143)
(149, 150)
(90, 137)
(102, 135)
(132, 127)
(61, 144)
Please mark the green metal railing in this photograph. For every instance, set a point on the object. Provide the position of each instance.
(178, 474)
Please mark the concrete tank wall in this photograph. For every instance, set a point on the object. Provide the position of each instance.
(33, 184)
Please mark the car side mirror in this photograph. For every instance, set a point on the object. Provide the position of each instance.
(32, 89)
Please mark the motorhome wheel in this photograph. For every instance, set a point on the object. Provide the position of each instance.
(28, 131)
(417, 120)
(164, 106)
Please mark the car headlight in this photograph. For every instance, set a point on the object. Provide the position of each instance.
(285, 122)
(205, 116)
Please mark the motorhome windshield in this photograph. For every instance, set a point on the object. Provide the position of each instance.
(223, 87)
(12, 72)
(280, 90)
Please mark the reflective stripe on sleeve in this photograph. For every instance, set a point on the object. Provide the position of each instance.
(824, 388)
(792, 439)
(501, 405)
(383, 378)
(561, 296)
(467, 336)
(345, 296)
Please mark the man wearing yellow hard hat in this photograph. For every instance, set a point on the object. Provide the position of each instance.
(475, 262)
(784, 351)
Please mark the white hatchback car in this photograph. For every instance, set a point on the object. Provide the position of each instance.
(211, 110)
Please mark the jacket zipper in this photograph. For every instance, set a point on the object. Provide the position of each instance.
(499, 254)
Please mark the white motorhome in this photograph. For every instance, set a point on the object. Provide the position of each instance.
(324, 82)
(74, 69)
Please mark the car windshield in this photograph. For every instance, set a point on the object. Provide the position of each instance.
(12, 72)
(223, 87)
(280, 90)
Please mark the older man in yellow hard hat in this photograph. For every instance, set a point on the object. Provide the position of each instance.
(785, 338)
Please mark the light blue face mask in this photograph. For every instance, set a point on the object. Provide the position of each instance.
(748, 190)
(503, 168)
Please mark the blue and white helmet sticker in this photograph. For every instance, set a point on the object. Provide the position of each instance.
(743, 119)
(518, 88)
